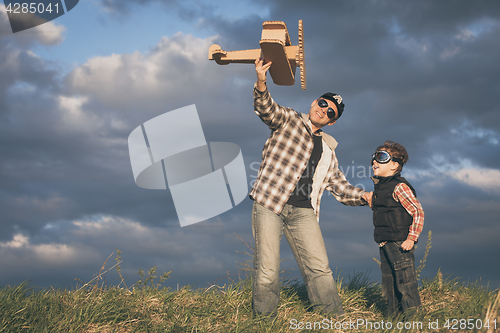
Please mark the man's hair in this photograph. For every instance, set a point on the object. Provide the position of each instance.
(396, 150)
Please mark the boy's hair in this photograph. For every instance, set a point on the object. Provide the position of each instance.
(396, 150)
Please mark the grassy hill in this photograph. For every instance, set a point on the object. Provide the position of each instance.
(448, 306)
(149, 308)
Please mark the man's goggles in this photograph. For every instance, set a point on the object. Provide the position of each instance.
(330, 112)
(382, 157)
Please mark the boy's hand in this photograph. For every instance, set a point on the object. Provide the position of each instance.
(261, 70)
(407, 245)
(368, 197)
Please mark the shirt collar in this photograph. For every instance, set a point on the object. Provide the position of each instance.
(309, 125)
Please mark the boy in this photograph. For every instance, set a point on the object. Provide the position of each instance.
(398, 218)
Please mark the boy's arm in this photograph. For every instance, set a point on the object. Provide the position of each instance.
(404, 195)
(272, 114)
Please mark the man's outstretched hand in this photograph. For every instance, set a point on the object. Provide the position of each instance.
(261, 68)
(368, 197)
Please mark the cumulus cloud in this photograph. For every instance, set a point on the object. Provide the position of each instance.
(139, 79)
(482, 178)
(444, 170)
(17, 241)
(74, 117)
(48, 34)
(52, 254)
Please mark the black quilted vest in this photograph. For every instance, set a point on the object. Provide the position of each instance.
(392, 222)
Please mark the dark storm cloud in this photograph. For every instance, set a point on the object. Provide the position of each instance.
(20, 66)
(381, 45)
(187, 10)
(25, 81)
(425, 68)
(422, 77)
(125, 5)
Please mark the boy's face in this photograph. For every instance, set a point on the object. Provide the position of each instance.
(384, 169)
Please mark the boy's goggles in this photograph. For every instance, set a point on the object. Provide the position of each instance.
(382, 157)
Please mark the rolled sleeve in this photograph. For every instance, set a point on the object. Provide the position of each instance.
(270, 112)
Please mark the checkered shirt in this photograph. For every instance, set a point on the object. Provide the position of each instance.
(285, 156)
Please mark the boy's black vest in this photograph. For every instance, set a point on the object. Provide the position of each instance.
(391, 220)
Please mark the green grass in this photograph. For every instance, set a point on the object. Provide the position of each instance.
(148, 307)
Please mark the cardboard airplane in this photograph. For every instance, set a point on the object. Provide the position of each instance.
(275, 46)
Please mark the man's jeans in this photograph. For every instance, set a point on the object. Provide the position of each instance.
(399, 281)
(302, 231)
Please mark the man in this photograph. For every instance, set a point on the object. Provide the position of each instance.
(298, 164)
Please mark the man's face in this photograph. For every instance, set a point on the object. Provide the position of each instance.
(318, 115)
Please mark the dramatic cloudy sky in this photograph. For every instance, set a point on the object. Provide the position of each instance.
(422, 73)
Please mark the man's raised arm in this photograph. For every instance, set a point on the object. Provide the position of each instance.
(261, 70)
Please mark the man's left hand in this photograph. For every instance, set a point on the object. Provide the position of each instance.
(368, 197)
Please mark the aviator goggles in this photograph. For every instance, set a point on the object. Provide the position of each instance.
(382, 157)
(330, 112)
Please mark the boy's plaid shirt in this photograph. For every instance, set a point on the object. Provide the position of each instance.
(285, 156)
(404, 195)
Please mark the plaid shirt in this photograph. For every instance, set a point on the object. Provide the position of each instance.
(285, 156)
(404, 195)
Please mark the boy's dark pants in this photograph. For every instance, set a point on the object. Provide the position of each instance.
(399, 281)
